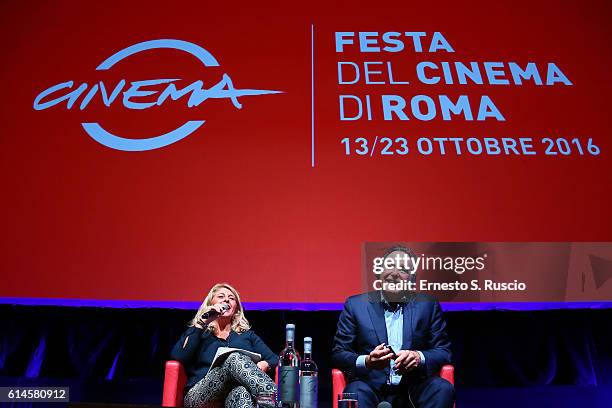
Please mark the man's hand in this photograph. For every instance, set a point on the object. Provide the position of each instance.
(263, 366)
(378, 358)
(407, 360)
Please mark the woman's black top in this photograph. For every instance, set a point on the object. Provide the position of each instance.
(198, 353)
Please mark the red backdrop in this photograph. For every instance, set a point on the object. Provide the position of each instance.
(238, 200)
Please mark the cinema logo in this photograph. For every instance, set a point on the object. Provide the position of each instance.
(196, 93)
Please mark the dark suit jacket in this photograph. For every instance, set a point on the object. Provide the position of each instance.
(361, 327)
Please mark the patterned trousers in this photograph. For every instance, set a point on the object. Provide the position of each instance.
(234, 384)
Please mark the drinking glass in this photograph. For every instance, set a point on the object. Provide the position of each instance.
(266, 399)
(347, 400)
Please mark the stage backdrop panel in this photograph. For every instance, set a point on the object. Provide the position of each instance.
(148, 151)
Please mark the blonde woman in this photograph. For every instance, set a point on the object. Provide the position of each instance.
(238, 381)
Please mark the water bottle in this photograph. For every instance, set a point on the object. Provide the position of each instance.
(308, 377)
(289, 367)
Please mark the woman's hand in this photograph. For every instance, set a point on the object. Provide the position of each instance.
(263, 366)
(203, 323)
(219, 307)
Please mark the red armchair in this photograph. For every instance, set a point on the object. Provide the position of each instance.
(174, 384)
(339, 381)
(175, 380)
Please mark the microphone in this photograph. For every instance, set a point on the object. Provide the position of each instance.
(384, 404)
(213, 314)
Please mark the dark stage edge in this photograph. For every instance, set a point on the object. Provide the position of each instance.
(557, 358)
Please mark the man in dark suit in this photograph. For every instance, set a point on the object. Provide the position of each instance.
(413, 325)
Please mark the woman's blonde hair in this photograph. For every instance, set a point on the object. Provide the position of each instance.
(239, 323)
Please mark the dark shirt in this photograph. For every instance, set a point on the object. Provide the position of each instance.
(198, 353)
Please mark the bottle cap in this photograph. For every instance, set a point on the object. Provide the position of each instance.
(290, 331)
(307, 344)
